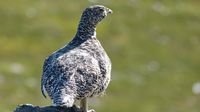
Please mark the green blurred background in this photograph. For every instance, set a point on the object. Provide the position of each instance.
(154, 46)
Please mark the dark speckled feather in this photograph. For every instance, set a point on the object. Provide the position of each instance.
(80, 69)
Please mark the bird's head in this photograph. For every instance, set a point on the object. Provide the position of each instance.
(94, 14)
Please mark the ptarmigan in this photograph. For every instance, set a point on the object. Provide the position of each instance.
(80, 69)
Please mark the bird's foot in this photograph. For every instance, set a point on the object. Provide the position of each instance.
(92, 110)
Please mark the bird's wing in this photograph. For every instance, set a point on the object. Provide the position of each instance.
(86, 73)
(78, 63)
(71, 72)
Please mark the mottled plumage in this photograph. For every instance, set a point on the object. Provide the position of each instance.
(80, 69)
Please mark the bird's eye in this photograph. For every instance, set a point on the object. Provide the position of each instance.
(101, 10)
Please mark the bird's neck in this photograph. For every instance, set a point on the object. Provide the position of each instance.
(85, 31)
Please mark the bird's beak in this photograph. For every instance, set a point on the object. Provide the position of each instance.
(109, 11)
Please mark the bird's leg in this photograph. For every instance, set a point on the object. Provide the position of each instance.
(83, 104)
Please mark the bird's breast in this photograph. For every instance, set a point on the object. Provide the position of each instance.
(95, 49)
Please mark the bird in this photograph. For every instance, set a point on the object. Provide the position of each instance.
(80, 69)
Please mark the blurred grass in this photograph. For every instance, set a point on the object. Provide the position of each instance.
(154, 46)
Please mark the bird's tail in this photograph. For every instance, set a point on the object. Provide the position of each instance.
(43, 91)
